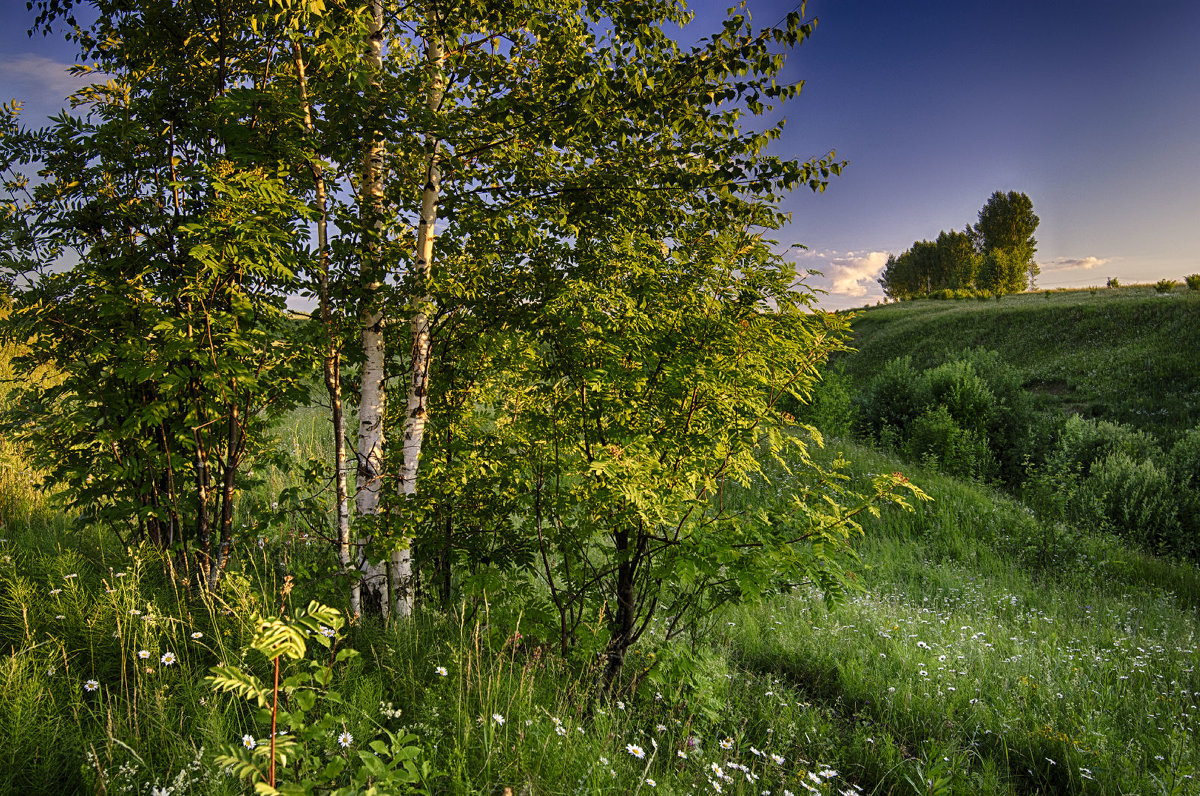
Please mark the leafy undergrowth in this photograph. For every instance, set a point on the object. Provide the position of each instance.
(1125, 354)
(988, 652)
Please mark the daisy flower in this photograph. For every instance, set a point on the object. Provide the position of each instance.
(167, 659)
(441, 671)
(725, 743)
(91, 685)
(249, 742)
(345, 739)
(496, 717)
(143, 654)
(197, 635)
(635, 750)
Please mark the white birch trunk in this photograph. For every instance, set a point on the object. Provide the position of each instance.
(332, 364)
(418, 389)
(372, 402)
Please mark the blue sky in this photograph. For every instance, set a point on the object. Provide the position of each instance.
(1092, 108)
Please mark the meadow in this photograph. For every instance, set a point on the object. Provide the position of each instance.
(987, 650)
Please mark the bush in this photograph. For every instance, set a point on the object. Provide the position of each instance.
(1009, 416)
(1184, 460)
(956, 386)
(1138, 501)
(1112, 282)
(1183, 464)
(894, 398)
(1193, 281)
(1164, 285)
(1081, 443)
(832, 406)
(935, 437)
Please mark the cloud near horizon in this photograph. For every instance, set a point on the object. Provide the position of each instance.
(1074, 263)
(850, 274)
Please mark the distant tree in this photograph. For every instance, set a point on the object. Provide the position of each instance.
(958, 262)
(924, 255)
(1007, 223)
(1003, 271)
(899, 280)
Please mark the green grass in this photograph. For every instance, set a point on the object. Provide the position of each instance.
(989, 646)
(988, 652)
(1125, 354)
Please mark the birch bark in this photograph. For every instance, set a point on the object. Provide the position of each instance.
(416, 408)
(372, 401)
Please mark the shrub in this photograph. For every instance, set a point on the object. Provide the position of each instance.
(935, 437)
(832, 406)
(1112, 282)
(893, 398)
(1082, 442)
(1136, 500)
(956, 386)
(1193, 281)
(1009, 418)
(1183, 463)
(1164, 285)
(1184, 460)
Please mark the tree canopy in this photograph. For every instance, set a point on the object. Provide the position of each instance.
(994, 256)
(547, 220)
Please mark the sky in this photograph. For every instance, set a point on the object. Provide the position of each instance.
(1091, 108)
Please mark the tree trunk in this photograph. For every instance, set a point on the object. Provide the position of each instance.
(372, 402)
(416, 408)
(333, 361)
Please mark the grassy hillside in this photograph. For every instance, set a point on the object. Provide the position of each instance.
(1126, 354)
(989, 650)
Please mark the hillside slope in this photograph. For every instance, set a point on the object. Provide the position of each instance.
(1130, 355)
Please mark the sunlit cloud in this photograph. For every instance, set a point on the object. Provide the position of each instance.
(846, 274)
(1074, 263)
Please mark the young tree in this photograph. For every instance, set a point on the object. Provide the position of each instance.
(168, 338)
(1007, 223)
(958, 261)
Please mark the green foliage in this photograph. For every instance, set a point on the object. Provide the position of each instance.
(1164, 286)
(1192, 281)
(994, 257)
(295, 758)
(1003, 272)
(642, 398)
(1112, 282)
(1081, 443)
(1137, 500)
(936, 438)
(892, 399)
(1123, 355)
(169, 341)
(832, 408)
(968, 415)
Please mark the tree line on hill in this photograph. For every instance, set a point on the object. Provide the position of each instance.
(992, 257)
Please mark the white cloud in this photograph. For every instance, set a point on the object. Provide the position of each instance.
(38, 81)
(851, 274)
(1074, 263)
(850, 271)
